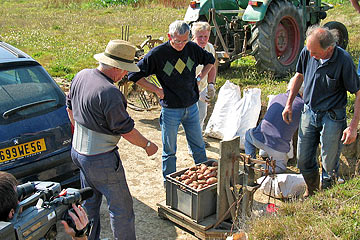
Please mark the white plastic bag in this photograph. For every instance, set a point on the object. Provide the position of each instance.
(233, 115)
(229, 96)
(283, 185)
(248, 113)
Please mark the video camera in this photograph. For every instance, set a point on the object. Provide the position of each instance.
(42, 205)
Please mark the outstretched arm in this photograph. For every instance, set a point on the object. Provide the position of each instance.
(151, 87)
(136, 138)
(350, 133)
(356, 5)
(294, 89)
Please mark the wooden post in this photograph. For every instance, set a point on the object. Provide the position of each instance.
(228, 173)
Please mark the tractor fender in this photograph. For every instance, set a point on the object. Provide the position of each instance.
(255, 14)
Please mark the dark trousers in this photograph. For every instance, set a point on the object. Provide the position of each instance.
(105, 174)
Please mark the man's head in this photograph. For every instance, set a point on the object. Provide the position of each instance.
(178, 34)
(320, 42)
(8, 196)
(117, 60)
(201, 33)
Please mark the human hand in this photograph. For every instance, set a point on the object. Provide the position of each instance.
(349, 135)
(210, 92)
(202, 96)
(287, 114)
(152, 149)
(160, 93)
(81, 221)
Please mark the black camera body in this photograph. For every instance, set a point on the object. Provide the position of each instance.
(41, 208)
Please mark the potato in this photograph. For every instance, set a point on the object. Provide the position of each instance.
(193, 168)
(203, 181)
(203, 167)
(207, 172)
(212, 168)
(212, 174)
(199, 187)
(188, 181)
(184, 177)
(211, 180)
(201, 176)
(193, 177)
(200, 171)
(178, 178)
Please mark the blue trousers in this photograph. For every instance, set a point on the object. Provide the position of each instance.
(104, 173)
(170, 120)
(326, 129)
(251, 143)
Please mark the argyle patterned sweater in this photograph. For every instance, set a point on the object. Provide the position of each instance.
(175, 71)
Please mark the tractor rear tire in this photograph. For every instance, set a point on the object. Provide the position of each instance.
(277, 40)
(341, 31)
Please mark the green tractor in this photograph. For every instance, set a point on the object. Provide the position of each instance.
(273, 31)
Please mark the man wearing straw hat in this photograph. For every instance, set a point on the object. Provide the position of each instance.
(174, 64)
(97, 109)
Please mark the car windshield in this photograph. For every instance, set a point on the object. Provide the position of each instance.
(27, 91)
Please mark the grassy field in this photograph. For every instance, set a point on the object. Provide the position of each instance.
(63, 35)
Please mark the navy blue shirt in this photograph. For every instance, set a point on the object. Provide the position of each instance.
(325, 85)
(175, 71)
(98, 104)
(272, 130)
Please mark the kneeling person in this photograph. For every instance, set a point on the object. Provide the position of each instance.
(273, 135)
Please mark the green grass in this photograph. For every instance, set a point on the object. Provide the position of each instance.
(64, 39)
(63, 35)
(331, 214)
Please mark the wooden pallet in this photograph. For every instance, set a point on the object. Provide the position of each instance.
(202, 230)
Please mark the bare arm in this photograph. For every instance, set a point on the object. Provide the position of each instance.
(294, 89)
(212, 75)
(70, 114)
(136, 138)
(350, 133)
(205, 70)
(151, 87)
(356, 5)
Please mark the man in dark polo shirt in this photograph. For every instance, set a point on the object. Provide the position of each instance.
(97, 109)
(328, 72)
(174, 64)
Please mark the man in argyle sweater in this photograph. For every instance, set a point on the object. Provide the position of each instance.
(174, 63)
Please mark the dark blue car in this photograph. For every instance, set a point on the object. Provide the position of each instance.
(35, 132)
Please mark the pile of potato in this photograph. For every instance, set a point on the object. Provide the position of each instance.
(199, 176)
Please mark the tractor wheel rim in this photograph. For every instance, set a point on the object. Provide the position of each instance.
(287, 39)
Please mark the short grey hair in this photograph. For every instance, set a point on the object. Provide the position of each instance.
(179, 27)
(105, 66)
(200, 26)
(325, 36)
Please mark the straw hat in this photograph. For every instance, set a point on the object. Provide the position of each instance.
(119, 54)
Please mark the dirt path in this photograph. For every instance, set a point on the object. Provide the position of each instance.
(144, 178)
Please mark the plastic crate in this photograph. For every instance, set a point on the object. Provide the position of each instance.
(195, 204)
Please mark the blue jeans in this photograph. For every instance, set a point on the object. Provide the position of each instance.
(252, 143)
(104, 173)
(170, 119)
(325, 128)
